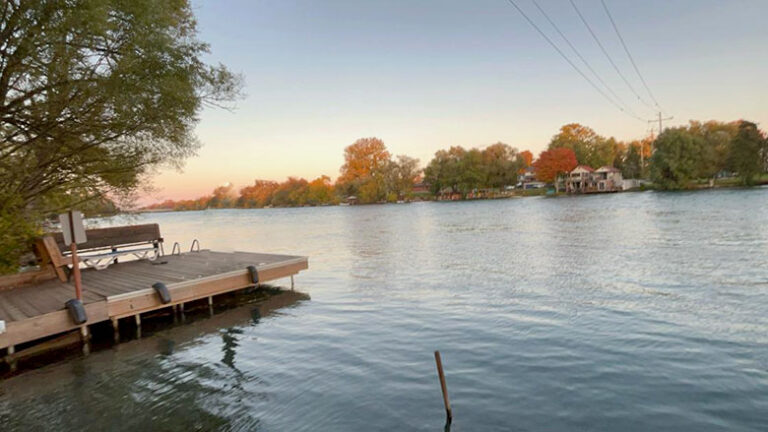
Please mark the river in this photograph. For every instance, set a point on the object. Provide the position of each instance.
(639, 311)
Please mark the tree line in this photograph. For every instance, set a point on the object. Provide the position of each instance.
(676, 159)
(369, 175)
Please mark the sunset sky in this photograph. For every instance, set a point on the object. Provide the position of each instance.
(425, 75)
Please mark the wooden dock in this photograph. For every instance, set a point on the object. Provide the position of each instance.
(124, 290)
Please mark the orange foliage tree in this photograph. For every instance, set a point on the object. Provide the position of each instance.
(552, 163)
(320, 191)
(258, 195)
(363, 158)
(364, 164)
(527, 159)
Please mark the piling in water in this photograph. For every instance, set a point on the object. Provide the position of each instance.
(440, 375)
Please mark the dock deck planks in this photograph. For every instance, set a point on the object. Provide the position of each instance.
(125, 289)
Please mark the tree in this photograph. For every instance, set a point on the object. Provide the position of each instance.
(365, 163)
(552, 163)
(526, 160)
(502, 163)
(223, 196)
(632, 163)
(747, 150)
(320, 191)
(716, 138)
(589, 147)
(444, 170)
(363, 159)
(94, 95)
(292, 192)
(258, 195)
(472, 173)
(401, 175)
(676, 160)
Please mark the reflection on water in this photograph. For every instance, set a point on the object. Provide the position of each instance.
(641, 311)
(152, 383)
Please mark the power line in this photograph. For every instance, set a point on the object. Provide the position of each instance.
(576, 68)
(578, 54)
(608, 56)
(631, 59)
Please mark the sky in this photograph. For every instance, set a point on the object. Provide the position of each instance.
(424, 75)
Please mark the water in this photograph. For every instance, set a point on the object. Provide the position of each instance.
(640, 311)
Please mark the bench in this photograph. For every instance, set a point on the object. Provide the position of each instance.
(103, 247)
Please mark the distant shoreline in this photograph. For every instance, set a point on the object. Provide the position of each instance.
(539, 193)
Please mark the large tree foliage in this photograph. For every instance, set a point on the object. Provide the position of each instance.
(632, 166)
(502, 162)
(747, 153)
(458, 170)
(370, 173)
(363, 171)
(676, 159)
(553, 163)
(93, 95)
(716, 138)
(589, 148)
(704, 150)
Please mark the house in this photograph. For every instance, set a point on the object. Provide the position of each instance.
(526, 175)
(580, 180)
(584, 179)
(420, 186)
(609, 179)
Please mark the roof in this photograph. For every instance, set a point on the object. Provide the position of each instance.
(584, 168)
(608, 169)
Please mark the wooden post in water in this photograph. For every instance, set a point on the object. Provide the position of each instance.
(440, 375)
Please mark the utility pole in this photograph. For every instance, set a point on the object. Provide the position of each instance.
(661, 128)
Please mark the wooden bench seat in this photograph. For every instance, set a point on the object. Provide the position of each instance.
(103, 247)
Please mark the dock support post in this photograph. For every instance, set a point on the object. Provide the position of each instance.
(181, 312)
(86, 337)
(292, 283)
(116, 328)
(138, 325)
(11, 363)
(210, 305)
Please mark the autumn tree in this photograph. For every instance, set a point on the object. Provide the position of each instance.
(320, 191)
(590, 148)
(364, 164)
(93, 96)
(293, 192)
(553, 163)
(526, 160)
(257, 195)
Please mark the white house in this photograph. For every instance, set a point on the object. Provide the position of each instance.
(584, 179)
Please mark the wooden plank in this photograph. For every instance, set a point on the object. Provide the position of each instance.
(49, 324)
(8, 312)
(27, 309)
